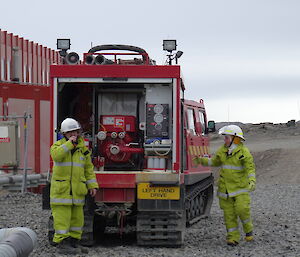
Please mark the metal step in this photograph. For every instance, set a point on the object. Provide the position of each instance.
(160, 228)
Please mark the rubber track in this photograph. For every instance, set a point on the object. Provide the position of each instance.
(198, 195)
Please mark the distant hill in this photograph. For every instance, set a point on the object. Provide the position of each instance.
(291, 127)
(222, 124)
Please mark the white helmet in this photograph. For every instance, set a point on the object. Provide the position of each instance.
(69, 124)
(232, 130)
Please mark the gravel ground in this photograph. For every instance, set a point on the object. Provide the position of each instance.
(275, 209)
(276, 216)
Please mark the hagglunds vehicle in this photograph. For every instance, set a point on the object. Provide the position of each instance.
(143, 135)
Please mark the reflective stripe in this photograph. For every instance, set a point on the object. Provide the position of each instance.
(60, 200)
(234, 133)
(238, 192)
(78, 164)
(78, 201)
(66, 164)
(209, 162)
(91, 181)
(65, 147)
(251, 175)
(63, 163)
(75, 228)
(61, 231)
(231, 167)
(232, 229)
(222, 194)
(245, 221)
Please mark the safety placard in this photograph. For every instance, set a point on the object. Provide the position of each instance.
(4, 139)
(108, 120)
(145, 191)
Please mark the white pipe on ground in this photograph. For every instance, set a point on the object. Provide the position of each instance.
(17, 242)
(19, 178)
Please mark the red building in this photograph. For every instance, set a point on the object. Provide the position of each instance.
(24, 86)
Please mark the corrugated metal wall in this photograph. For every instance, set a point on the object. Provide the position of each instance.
(25, 61)
(24, 86)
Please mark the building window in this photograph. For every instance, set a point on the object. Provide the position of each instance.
(47, 77)
(29, 75)
(25, 73)
(2, 74)
(8, 69)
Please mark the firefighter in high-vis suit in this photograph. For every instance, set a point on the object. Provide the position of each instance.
(237, 178)
(72, 178)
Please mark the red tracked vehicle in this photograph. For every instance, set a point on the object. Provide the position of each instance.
(143, 135)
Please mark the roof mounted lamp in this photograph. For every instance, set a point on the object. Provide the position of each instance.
(170, 46)
(63, 44)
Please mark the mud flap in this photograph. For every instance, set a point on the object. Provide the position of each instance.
(87, 238)
(46, 197)
(99, 228)
(50, 230)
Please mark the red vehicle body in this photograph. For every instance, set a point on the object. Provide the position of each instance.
(143, 135)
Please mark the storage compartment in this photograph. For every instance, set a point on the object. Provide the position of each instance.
(120, 122)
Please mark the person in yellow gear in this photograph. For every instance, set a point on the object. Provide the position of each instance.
(237, 178)
(72, 178)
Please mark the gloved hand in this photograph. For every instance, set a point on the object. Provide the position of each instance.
(252, 186)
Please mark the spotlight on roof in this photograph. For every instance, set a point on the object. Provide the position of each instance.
(169, 45)
(63, 44)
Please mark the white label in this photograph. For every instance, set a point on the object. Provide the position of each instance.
(108, 120)
(3, 132)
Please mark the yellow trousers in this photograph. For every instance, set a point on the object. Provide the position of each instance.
(234, 208)
(68, 221)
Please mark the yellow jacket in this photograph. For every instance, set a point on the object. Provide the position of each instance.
(237, 170)
(73, 173)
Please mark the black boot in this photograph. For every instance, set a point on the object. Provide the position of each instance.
(64, 247)
(74, 242)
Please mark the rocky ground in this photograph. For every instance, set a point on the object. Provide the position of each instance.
(275, 208)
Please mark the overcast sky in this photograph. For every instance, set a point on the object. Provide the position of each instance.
(241, 56)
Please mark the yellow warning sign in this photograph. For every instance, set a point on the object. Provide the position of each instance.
(145, 191)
